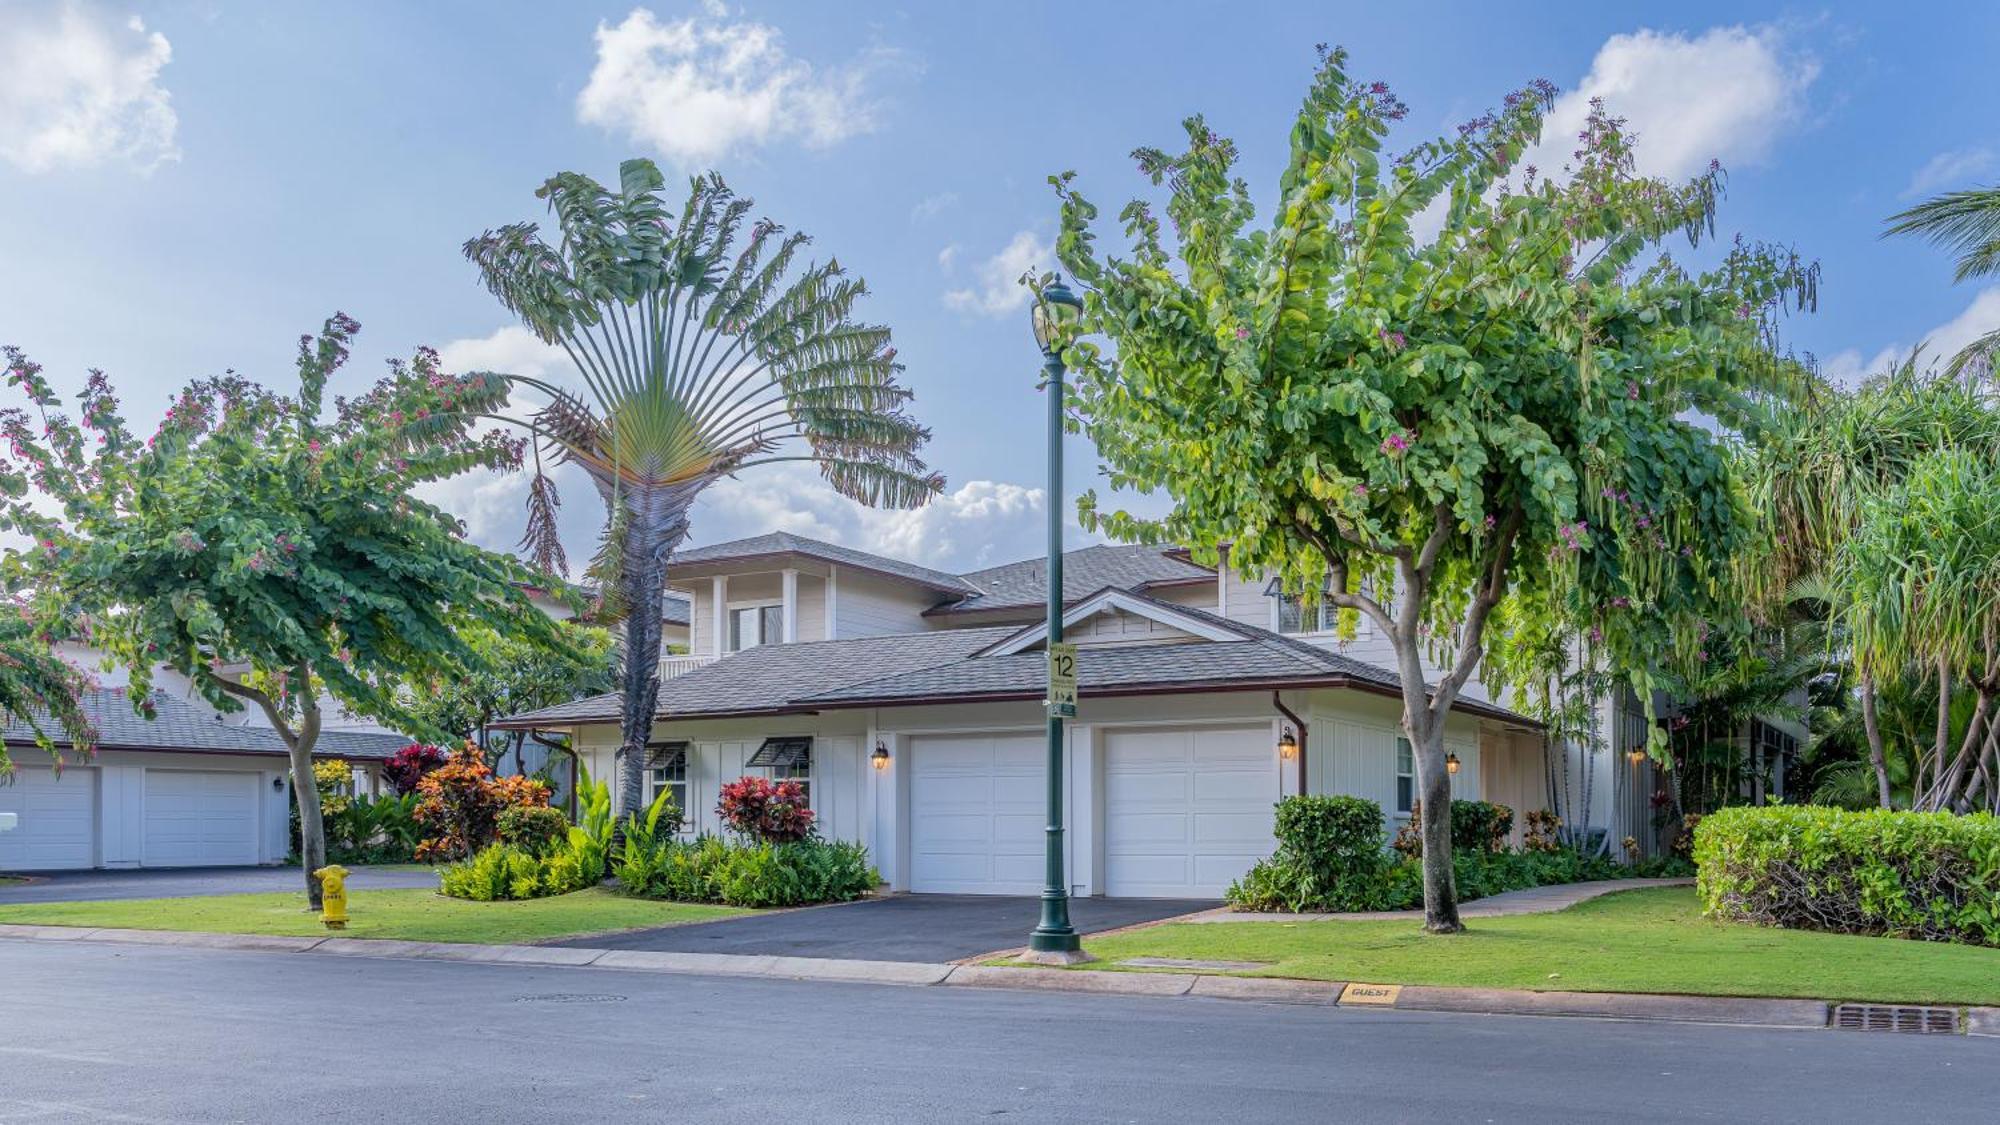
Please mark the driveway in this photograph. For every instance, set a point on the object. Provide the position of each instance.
(186, 882)
(897, 928)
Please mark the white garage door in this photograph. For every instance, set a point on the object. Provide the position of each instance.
(57, 828)
(200, 818)
(976, 813)
(1186, 811)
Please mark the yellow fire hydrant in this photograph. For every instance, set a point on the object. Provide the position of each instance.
(333, 896)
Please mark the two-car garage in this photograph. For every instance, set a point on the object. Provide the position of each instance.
(183, 818)
(1171, 811)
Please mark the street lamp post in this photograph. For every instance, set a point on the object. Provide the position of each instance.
(1055, 941)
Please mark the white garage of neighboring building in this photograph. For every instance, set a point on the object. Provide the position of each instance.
(180, 790)
(930, 748)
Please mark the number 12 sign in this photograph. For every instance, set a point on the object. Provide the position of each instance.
(1062, 681)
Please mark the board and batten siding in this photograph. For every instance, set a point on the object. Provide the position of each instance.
(1116, 627)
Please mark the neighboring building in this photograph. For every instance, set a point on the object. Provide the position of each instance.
(909, 702)
(180, 790)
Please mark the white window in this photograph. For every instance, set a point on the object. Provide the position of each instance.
(787, 759)
(750, 626)
(1406, 777)
(666, 769)
(1296, 617)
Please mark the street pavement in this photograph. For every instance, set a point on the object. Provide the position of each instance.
(897, 928)
(92, 1032)
(182, 882)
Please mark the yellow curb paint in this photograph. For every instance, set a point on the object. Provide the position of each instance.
(1381, 994)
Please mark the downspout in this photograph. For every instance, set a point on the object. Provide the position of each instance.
(1277, 700)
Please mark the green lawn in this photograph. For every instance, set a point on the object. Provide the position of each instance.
(11, 880)
(413, 915)
(1637, 941)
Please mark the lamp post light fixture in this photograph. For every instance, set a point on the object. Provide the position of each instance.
(1451, 764)
(1054, 941)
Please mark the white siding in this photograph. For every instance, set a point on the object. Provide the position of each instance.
(1116, 627)
(870, 606)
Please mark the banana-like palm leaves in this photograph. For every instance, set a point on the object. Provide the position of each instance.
(1966, 223)
(698, 357)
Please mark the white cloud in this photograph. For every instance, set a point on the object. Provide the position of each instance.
(512, 350)
(980, 523)
(1950, 170)
(948, 257)
(1940, 344)
(79, 88)
(707, 87)
(1727, 94)
(930, 206)
(996, 289)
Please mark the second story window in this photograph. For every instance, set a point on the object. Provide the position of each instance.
(750, 626)
(1295, 616)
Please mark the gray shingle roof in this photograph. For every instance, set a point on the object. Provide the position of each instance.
(770, 677)
(676, 610)
(183, 726)
(1085, 571)
(784, 542)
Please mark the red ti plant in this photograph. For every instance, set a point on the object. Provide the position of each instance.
(407, 766)
(769, 811)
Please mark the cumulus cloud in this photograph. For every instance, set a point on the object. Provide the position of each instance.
(1727, 94)
(1940, 344)
(1950, 170)
(980, 523)
(709, 86)
(512, 350)
(995, 288)
(931, 206)
(82, 89)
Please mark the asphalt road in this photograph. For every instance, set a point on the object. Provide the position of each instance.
(105, 1033)
(897, 928)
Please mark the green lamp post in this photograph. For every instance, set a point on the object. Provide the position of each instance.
(1055, 941)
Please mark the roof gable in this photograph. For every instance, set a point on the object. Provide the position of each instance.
(1194, 624)
(779, 543)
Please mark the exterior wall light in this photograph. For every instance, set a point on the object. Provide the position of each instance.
(1288, 745)
(880, 758)
(1636, 754)
(1451, 764)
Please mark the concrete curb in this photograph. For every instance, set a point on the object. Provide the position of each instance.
(1736, 1011)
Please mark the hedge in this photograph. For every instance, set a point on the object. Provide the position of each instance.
(1929, 876)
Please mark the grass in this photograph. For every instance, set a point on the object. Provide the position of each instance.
(11, 880)
(409, 914)
(1635, 941)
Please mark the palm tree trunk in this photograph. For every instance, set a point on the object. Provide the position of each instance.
(656, 522)
(1871, 722)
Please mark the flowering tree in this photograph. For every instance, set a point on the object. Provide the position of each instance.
(1430, 432)
(37, 688)
(263, 546)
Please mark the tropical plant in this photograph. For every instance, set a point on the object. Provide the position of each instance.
(1419, 431)
(1966, 223)
(406, 767)
(374, 830)
(590, 838)
(522, 676)
(461, 803)
(750, 873)
(761, 809)
(268, 532)
(699, 360)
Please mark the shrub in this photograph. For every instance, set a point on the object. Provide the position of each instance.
(759, 874)
(1476, 826)
(536, 828)
(1329, 857)
(374, 830)
(461, 802)
(503, 872)
(406, 767)
(765, 810)
(1543, 833)
(1930, 876)
(590, 837)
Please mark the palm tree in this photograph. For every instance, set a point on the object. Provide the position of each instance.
(1966, 223)
(698, 360)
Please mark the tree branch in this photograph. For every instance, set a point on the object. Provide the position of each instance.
(1473, 630)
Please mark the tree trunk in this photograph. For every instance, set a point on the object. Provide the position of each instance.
(1871, 722)
(656, 524)
(1943, 725)
(1440, 880)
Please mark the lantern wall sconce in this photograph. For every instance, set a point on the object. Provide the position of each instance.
(880, 758)
(1451, 764)
(1288, 745)
(1636, 754)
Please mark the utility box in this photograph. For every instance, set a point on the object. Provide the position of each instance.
(8, 820)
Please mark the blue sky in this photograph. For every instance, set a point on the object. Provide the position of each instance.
(188, 186)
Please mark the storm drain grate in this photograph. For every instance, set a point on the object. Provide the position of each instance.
(570, 998)
(1908, 1018)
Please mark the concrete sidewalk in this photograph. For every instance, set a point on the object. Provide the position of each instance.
(1534, 900)
(1742, 1011)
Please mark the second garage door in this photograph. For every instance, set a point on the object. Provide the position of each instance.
(976, 812)
(200, 818)
(1186, 811)
(57, 827)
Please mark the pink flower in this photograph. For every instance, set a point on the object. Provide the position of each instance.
(1361, 490)
(1243, 333)
(1395, 445)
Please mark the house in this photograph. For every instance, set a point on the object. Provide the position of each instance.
(180, 790)
(908, 701)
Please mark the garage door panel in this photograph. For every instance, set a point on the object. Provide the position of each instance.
(198, 818)
(1187, 811)
(975, 814)
(58, 820)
